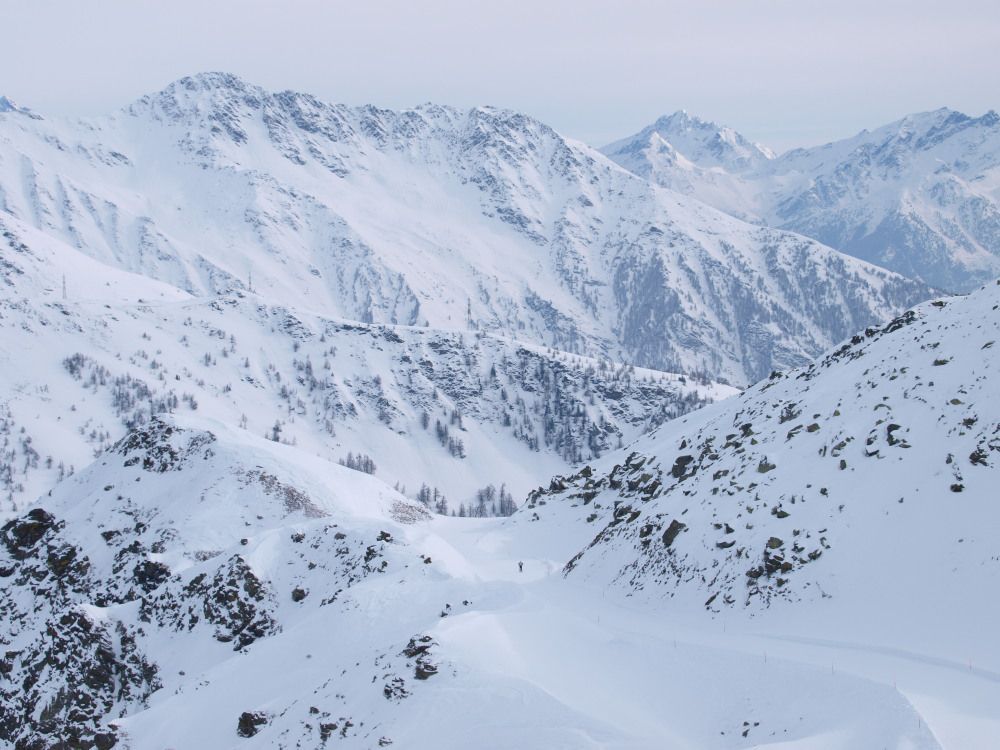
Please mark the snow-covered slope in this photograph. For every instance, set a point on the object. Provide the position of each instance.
(181, 547)
(199, 587)
(858, 493)
(481, 219)
(810, 564)
(920, 196)
(457, 411)
(754, 579)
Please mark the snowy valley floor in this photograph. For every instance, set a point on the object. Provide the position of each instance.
(533, 660)
(645, 678)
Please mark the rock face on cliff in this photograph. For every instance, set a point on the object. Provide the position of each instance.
(180, 549)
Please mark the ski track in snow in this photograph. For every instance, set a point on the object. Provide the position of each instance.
(552, 635)
(547, 612)
(896, 653)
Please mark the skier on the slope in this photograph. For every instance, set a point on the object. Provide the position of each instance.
(520, 567)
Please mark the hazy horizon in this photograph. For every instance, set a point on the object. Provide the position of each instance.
(783, 74)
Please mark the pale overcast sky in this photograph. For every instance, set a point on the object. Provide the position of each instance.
(784, 72)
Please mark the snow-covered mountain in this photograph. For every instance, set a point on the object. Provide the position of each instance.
(686, 139)
(477, 219)
(864, 483)
(694, 157)
(809, 564)
(920, 196)
(253, 341)
(457, 411)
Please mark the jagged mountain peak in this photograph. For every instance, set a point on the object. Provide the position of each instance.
(202, 93)
(216, 83)
(700, 142)
(915, 133)
(9, 105)
(204, 96)
(917, 195)
(681, 120)
(925, 130)
(222, 113)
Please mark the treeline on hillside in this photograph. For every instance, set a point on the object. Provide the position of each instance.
(488, 502)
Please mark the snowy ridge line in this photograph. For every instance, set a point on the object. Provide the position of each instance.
(498, 224)
(787, 492)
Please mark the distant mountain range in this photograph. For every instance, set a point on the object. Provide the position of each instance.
(920, 196)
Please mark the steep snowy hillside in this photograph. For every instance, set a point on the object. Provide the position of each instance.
(859, 492)
(481, 219)
(455, 411)
(198, 587)
(184, 546)
(920, 196)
